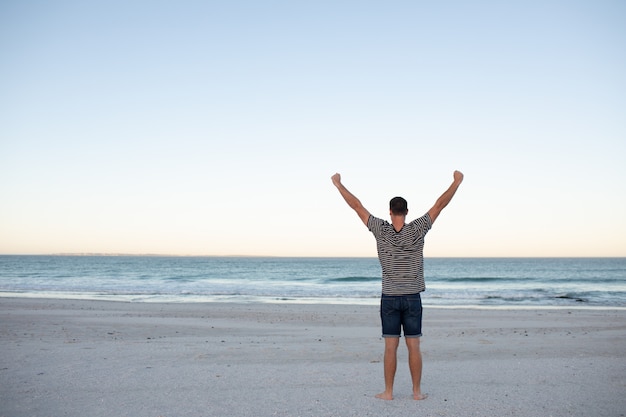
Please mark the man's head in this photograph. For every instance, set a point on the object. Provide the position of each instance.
(398, 206)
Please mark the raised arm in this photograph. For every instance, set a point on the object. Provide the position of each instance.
(352, 201)
(445, 197)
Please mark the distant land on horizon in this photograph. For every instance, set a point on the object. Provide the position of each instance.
(157, 255)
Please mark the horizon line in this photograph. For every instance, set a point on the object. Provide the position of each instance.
(156, 255)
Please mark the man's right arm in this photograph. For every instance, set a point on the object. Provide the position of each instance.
(352, 201)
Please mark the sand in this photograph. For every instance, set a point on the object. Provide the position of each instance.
(98, 358)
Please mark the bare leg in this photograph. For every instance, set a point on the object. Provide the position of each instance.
(391, 361)
(415, 366)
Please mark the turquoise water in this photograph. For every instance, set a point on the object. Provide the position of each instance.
(508, 282)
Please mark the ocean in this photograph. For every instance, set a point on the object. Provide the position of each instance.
(450, 282)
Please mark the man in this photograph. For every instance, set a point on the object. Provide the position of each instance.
(400, 252)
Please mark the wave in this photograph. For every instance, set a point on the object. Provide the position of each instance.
(470, 279)
(352, 279)
(571, 297)
(547, 281)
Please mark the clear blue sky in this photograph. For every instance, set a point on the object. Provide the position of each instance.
(212, 128)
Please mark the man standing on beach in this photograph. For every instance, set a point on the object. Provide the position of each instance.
(400, 252)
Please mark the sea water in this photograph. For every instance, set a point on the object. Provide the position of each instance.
(450, 282)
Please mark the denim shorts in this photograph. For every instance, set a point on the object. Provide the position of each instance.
(401, 312)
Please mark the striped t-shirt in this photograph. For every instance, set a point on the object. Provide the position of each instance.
(401, 254)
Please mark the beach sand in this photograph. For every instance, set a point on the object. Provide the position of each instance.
(99, 358)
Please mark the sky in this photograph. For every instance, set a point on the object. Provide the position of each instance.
(213, 128)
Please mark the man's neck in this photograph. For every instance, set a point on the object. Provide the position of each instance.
(398, 222)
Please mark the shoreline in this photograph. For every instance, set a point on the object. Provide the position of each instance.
(301, 301)
(101, 358)
(374, 301)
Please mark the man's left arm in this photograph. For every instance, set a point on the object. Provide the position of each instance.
(446, 197)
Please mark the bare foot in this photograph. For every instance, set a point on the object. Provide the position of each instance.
(420, 396)
(385, 396)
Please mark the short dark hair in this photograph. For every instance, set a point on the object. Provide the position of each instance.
(398, 206)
